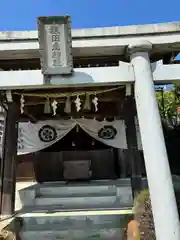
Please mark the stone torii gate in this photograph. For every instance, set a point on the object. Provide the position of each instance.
(139, 47)
(155, 155)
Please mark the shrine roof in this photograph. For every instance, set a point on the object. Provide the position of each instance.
(161, 28)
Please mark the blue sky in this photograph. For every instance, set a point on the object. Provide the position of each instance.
(22, 14)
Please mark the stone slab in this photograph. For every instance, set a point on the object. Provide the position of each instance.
(169, 27)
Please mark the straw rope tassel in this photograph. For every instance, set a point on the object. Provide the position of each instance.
(67, 108)
(47, 107)
(87, 104)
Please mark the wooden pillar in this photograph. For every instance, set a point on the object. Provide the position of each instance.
(122, 160)
(9, 153)
(133, 153)
(1, 163)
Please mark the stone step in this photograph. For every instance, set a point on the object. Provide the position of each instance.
(75, 220)
(70, 189)
(77, 194)
(75, 201)
(65, 223)
(99, 194)
(50, 209)
(83, 234)
(75, 227)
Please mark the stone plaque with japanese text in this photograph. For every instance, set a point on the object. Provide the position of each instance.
(55, 45)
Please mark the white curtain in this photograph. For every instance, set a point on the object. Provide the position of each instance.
(92, 127)
(29, 140)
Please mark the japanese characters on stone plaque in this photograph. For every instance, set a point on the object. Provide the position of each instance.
(54, 30)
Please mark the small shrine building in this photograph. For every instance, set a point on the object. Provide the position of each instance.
(79, 106)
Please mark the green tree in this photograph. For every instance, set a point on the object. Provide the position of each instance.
(168, 103)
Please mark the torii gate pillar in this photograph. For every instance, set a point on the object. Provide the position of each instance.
(163, 200)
